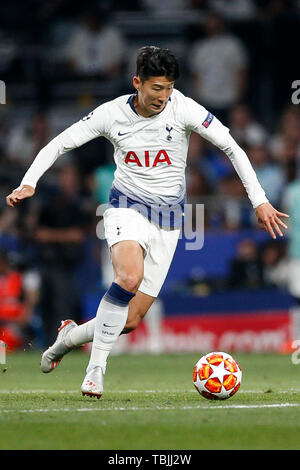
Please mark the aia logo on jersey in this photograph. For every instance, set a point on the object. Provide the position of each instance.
(161, 157)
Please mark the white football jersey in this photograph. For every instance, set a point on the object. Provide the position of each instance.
(150, 152)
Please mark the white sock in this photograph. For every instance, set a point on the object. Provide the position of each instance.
(110, 321)
(81, 334)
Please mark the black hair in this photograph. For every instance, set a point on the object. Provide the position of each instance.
(155, 61)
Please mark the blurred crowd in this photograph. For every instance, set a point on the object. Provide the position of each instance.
(59, 60)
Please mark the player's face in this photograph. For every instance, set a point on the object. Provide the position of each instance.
(153, 94)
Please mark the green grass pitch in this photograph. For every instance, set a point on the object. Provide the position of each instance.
(149, 403)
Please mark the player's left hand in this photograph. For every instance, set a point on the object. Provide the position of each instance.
(269, 219)
(19, 194)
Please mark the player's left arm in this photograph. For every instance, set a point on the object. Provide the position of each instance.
(268, 217)
(211, 129)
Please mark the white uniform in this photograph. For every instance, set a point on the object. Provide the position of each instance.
(150, 155)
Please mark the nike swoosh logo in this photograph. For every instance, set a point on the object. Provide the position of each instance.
(109, 326)
(123, 133)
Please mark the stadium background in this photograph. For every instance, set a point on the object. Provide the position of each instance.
(234, 293)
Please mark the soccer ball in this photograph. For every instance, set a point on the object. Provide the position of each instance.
(217, 376)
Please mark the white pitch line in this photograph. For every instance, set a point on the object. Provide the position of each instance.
(158, 408)
(37, 391)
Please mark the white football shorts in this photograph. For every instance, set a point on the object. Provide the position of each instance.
(159, 244)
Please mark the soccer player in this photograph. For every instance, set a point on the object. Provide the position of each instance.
(150, 133)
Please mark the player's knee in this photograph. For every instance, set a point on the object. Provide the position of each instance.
(129, 282)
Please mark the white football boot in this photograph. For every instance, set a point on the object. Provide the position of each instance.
(54, 354)
(92, 386)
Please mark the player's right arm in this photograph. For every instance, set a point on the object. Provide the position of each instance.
(92, 126)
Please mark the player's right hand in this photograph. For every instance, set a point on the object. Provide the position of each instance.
(19, 194)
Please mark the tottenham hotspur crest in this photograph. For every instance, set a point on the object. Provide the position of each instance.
(169, 129)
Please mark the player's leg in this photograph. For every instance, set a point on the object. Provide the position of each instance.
(128, 265)
(156, 266)
(52, 356)
(124, 226)
(71, 336)
(138, 308)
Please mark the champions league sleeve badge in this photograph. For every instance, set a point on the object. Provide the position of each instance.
(208, 120)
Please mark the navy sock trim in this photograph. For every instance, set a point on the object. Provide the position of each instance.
(117, 295)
